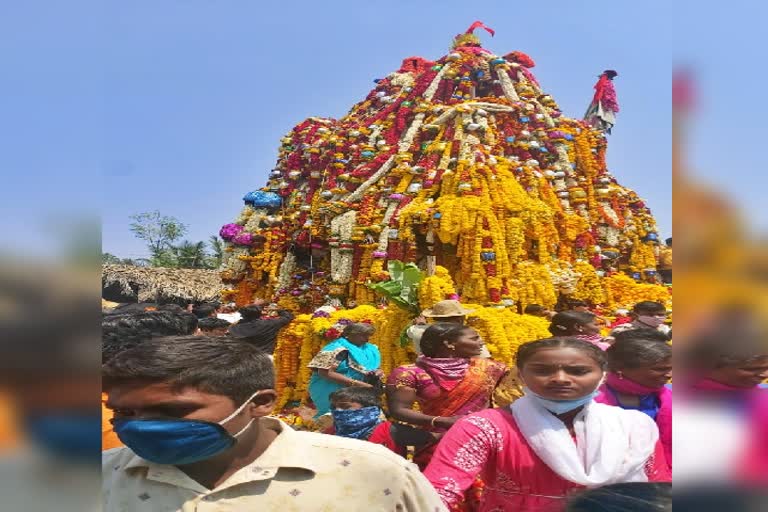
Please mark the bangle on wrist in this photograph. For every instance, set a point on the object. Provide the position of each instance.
(432, 423)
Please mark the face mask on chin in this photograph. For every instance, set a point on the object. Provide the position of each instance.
(651, 321)
(178, 441)
(559, 407)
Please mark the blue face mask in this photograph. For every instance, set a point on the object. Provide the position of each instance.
(67, 435)
(356, 423)
(561, 406)
(177, 441)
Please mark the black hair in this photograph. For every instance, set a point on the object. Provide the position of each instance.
(532, 309)
(527, 350)
(203, 310)
(173, 308)
(217, 365)
(210, 323)
(642, 333)
(565, 322)
(632, 496)
(434, 336)
(636, 353)
(577, 303)
(358, 328)
(250, 312)
(668, 241)
(649, 307)
(367, 397)
(121, 332)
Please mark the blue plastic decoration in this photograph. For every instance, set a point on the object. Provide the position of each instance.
(525, 119)
(437, 215)
(261, 199)
(568, 136)
(367, 154)
(496, 62)
(510, 139)
(651, 237)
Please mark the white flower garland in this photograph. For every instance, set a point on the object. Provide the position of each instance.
(244, 215)
(287, 268)
(507, 86)
(431, 260)
(401, 79)
(360, 191)
(341, 261)
(384, 236)
(237, 266)
(432, 89)
(252, 225)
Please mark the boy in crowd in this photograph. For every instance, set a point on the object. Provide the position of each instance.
(193, 414)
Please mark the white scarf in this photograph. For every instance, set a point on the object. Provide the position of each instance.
(612, 444)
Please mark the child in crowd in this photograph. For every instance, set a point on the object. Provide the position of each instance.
(357, 414)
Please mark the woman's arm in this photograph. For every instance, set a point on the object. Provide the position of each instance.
(461, 456)
(400, 401)
(333, 376)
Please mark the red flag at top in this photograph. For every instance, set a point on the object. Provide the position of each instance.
(480, 24)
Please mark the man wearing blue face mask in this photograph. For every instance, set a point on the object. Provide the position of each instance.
(192, 412)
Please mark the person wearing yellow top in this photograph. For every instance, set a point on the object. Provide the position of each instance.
(192, 412)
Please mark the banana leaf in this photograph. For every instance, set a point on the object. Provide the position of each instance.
(401, 289)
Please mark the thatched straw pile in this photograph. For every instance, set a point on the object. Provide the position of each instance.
(154, 283)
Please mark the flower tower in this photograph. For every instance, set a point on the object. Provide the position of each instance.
(463, 163)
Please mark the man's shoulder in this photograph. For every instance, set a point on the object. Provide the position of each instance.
(326, 446)
(116, 457)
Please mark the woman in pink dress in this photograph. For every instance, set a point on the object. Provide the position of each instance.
(553, 441)
(639, 367)
(581, 325)
(448, 382)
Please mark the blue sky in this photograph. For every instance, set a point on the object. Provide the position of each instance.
(179, 105)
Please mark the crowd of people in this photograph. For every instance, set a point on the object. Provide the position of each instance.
(581, 416)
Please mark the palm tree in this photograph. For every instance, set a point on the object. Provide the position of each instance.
(217, 251)
(190, 255)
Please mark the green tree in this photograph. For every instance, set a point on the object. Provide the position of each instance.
(159, 232)
(190, 255)
(217, 251)
(110, 259)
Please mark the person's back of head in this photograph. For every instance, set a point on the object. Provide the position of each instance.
(634, 497)
(204, 311)
(120, 332)
(534, 309)
(173, 308)
(565, 323)
(250, 313)
(575, 304)
(213, 326)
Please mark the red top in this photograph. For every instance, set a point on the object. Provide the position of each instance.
(381, 435)
(490, 444)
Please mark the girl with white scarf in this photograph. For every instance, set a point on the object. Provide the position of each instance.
(553, 441)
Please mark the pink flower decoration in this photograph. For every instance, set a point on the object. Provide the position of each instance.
(229, 231)
(243, 239)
